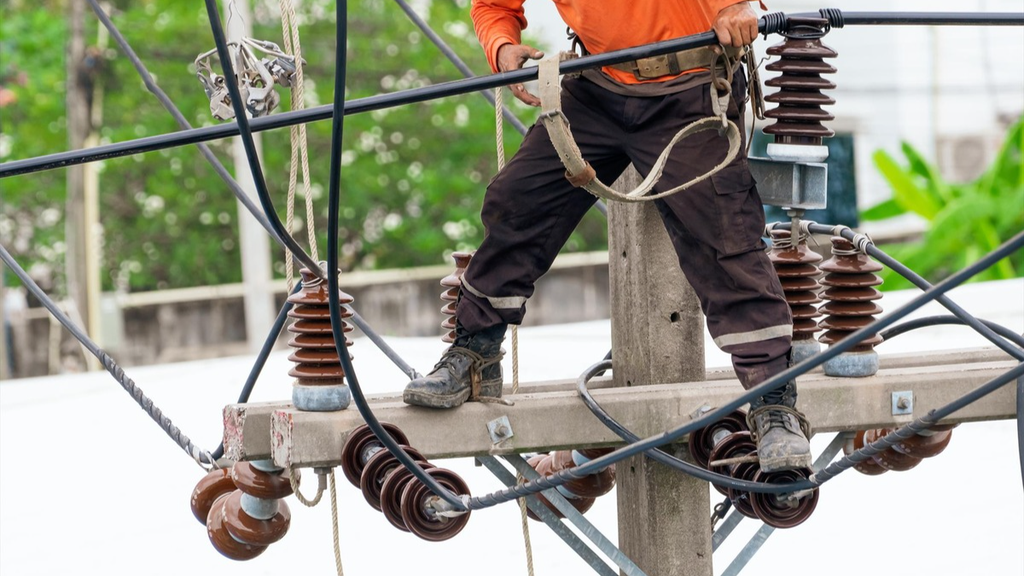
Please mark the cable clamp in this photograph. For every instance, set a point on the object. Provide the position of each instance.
(440, 507)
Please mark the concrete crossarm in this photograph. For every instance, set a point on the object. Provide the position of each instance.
(549, 417)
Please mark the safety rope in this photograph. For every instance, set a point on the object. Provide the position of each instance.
(296, 482)
(334, 524)
(299, 147)
(499, 133)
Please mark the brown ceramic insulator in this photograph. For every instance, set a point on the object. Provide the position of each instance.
(735, 445)
(378, 468)
(414, 507)
(799, 115)
(214, 485)
(391, 495)
(927, 444)
(316, 356)
(260, 484)
(779, 513)
(591, 485)
(797, 271)
(452, 284)
(702, 440)
(360, 445)
(889, 458)
(222, 540)
(869, 466)
(251, 530)
(543, 464)
(851, 280)
(743, 501)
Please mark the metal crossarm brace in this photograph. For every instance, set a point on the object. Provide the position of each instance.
(571, 514)
(575, 543)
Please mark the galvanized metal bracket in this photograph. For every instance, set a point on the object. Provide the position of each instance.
(500, 430)
(799, 185)
(903, 402)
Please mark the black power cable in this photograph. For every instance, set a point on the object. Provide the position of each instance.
(333, 226)
(916, 279)
(772, 383)
(476, 84)
(949, 320)
(658, 455)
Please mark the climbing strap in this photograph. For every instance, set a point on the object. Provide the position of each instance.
(582, 175)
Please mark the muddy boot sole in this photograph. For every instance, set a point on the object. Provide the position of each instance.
(791, 462)
(427, 400)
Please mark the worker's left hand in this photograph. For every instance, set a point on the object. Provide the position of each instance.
(736, 25)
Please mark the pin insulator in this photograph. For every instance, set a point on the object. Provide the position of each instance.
(452, 284)
(851, 294)
(316, 356)
(799, 115)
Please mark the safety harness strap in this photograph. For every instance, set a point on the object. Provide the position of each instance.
(582, 175)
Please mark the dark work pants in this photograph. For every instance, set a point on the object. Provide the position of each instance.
(530, 210)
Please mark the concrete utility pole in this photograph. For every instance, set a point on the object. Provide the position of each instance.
(254, 244)
(657, 338)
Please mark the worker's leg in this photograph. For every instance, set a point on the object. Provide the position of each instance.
(716, 229)
(529, 211)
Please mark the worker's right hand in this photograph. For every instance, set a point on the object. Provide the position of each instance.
(512, 57)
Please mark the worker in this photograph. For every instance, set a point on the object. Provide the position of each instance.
(624, 114)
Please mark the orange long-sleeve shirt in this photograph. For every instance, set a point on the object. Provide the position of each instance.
(602, 25)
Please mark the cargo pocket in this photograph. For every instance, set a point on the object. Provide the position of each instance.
(740, 213)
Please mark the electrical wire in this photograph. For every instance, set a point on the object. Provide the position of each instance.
(772, 383)
(202, 457)
(949, 320)
(663, 457)
(475, 84)
(245, 134)
(333, 227)
(864, 242)
(261, 360)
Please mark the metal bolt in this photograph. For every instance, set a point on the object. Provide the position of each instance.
(903, 403)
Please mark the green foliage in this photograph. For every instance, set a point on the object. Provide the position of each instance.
(413, 177)
(966, 221)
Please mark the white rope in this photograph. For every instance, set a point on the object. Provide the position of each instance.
(499, 133)
(293, 479)
(334, 524)
(299, 147)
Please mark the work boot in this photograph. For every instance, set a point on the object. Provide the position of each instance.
(469, 368)
(780, 430)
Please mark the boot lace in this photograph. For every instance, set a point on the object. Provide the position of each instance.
(776, 416)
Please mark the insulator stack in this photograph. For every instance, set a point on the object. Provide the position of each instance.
(703, 440)
(320, 379)
(391, 488)
(215, 484)
(452, 284)
(799, 114)
(243, 523)
(903, 455)
(796, 266)
(736, 456)
(582, 492)
(851, 294)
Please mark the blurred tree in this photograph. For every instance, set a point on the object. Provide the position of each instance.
(413, 177)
